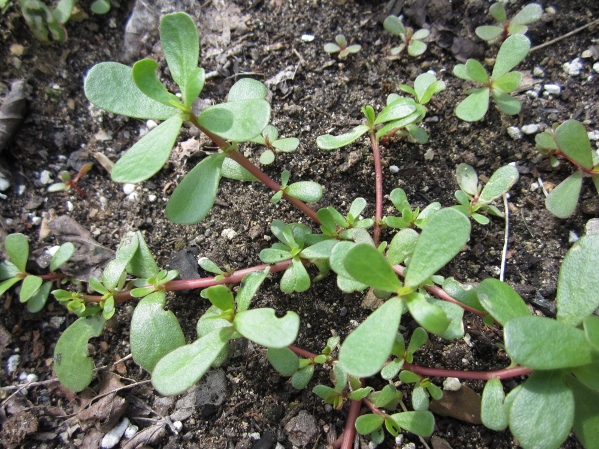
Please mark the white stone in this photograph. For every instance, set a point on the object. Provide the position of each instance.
(254, 436)
(572, 237)
(177, 426)
(429, 155)
(45, 177)
(534, 186)
(530, 129)
(592, 226)
(52, 250)
(593, 135)
(573, 68)
(36, 220)
(4, 184)
(131, 431)
(151, 124)
(586, 54)
(553, 89)
(32, 377)
(538, 71)
(307, 37)
(13, 363)
(151, 198)
(394, 169)
(228, 233)
(596, 67)
(128, 189)
(114, 435)
(21, 189)
(133, 196)
(372, 445)
(103, 135)
(514, 132)
(532, 94)
(452, 384)
(70, 206)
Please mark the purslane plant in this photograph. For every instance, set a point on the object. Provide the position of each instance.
(410, 39)
(499, 85)
(569, 141)
(508, 27)
(340, 46)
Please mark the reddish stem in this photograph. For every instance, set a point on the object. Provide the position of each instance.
(51, 276)
(302, 352)
(505, 373)
(378, 178)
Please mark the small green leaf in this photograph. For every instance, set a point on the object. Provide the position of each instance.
(421, 423)
(220, 296)
(232, 170)
(460, 71)
(144, 159)
(307, 191)
(193, 198)
(9, 270)
(8, 283)
(391, 369)
(529, 14)
(72, 364)
(476, 71)
(488, 32)
(248, 288)
(329, 142)
(284, 360)
(247, 89)
(493, 413)
(60, 257)
(562, 200)
(591, 330)
(17, 248)
(238, 121)
(500, 182)
(446, 232)
(29, 287)
(124, 253)
(286, 145)
(455, 314)
(367, 265)
(320, 250)
(420, 400)
(144, 76)
(586, 411)
(417, 340)
(501, 300)
(39, 298)
(497, 11)
(267, 157)
(544, 344)
(142, 264)
(110, 86)
(194, 86)
(400, 108)
(368, 423)
(572, 139)
(295, 278)
(394, 26)
(402, 246)
(331, 48)
(467, 179)
(274, 255)
(508, 82)
(63, 10)
(474, 106)
(513, 50)
(366, 349)
(430, 316)
(262, 326)
(181, 46)
(100, 6)
(506, 103)
(181, 368)
(302, 377)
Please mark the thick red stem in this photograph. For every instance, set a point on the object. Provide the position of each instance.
(505, 373)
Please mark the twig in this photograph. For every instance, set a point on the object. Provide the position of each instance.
(571, 33)
(505, 237)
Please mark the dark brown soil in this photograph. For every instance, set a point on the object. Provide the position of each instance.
(62, 130)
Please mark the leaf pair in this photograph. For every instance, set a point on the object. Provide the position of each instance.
(410, 39)
(340, 46)
(270, 139)
(516, 25)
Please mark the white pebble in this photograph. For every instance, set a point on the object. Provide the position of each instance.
(572, 237)
(307, 37)
(532, 94)
(452, 384)
(254, 436)
(113, 436)
(45, 177)
(587, 54)
(177, 425)
(151, 124)
(593, 135)
(103, 135)
(13, 363)
(429, 155)
(538, 71)
(70, 206)
(36, 220)
(4, 184)
(530, 129)
(21, 189)
(228, 233)
(128, 188)
(573, 68)
(514, 132)
(394, 169)
(133, 196)
(56, 321)
(372, 445)
(52, 250)
(534, 186)
(553, 89)
(151, 198)
(32, 377)
(596, 67)
(592, 227)
(131, 431)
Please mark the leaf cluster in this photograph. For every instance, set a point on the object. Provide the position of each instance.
(270, 139)
(340, 46)
(508, 27)
(411, 40)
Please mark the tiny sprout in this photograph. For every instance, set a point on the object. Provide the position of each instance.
(410, 39)
(341, 47)
(68, 184)
(517, 25)
(270, 139)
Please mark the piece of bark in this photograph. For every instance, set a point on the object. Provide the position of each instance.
(12, 112)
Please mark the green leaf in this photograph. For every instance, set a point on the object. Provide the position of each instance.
(144, 76)
(194, 85)
(368, 423)
(467, 179)
(506, 103)
(63, 10)
(142, 264)
(193, 198)
(577, 283)
(211, 320)
(501, 181)
(421, 423)
(60, 257)
(562, 200)
(402, 246)
(446, 232)
(591, 330)
(366, 349)
(220, 296)
(488, 32)
(586, 411)
(400, 108)
(295, 278)
(307, 191)
(331, 48)
(545, 344)
(180, 369)
(460, 71)
(367, 265)
(144, 159)
(455, 314)
(274, 255)
(420, 400)
(247, 89)
(329, 142)
(181, 46)
(394, 26)
(100, 6)
(302, 377)
(501, 300)
(124, 253)
(497, 11)
(262, 326)
(476, 71)
(320, 250)
(286, 145)
(572, 139)
(465, 294)
(39, 298)
(72, 364)
(587, 375)
(493, 413)
(417, 340)
(232, 170)
(97, 286)
(430, 316)
(238, 121)
(267, 157)
(284, 360)
(513, 50)
(29, 286)
(474, 106)
(529, 14)
(391, 369)
(17, 248)
(508, 83)
(8, 270)
(110, 86)
(248, 288)
(542, 413)
(546, 140)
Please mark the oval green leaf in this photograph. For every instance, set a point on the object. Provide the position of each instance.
(562, 200)
(144, 76)
(181, 46)
(17, 248)
(430, 316)
(513, 50)
(474, 106)
(60, 257)
(572, 139)
(237, 121)
(307, 191)
(501, 300)
(262, 326)
(492, 411)
(501, 181)
(330, 142)
(29, 286)
(367, 265)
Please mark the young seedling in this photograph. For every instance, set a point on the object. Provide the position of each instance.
(517, 25)
(307, 191)
(340, 46)
(569, 141)
(410, 39)
(270, 139)
(474, 199)
(68, 183)
(498, 85)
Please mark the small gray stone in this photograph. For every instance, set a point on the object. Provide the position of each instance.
(531, 129)
(212, 389)
(553, 89)
(514, 132)
(301, 429)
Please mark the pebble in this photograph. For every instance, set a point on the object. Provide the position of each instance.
(151, 198)
(553, 89)
(514, 132)
(52, 250)
(70, 206)
(452, 384)
(133, 196)
(228, 233)
(178, 425)
(13, 363)
(596, 67)
(128, 189)
(36, 220)
(32, 377)
(301, 429)
(131, 431)
(254, 436)
(4, 183)
(307, 37)
(592, 226)
(593, 135)
(151, 124)
(573, 68)
(45, 177)
(429, 155)
(114, 435)
(531, 129)
(538, 71)
(21, 189)
(394, 169)
(572, 237)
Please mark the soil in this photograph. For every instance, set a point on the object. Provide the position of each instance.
(61, 131)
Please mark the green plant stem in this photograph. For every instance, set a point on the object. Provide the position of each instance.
(378, 179)
(505, 373)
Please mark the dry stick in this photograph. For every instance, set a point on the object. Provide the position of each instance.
(378, 176)
(571, 33)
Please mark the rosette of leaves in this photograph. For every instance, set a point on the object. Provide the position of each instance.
(498, 86)
(340, 46)
(334, 224)
(508, 27)
(570, 141)
(410, 39)
(410, 218)
(138, 92)
(270, 139)
(307, 191)
(562, 393)
(474, 198)
(34, 290)
(68, 183)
